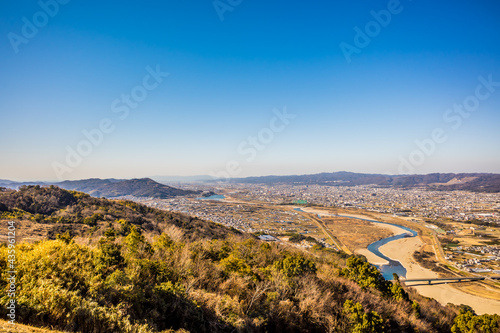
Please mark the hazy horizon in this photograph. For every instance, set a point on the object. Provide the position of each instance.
(128, 90)
(159, 177)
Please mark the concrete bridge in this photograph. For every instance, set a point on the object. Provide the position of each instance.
(451, 280)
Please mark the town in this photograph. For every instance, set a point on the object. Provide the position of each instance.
(467, 224)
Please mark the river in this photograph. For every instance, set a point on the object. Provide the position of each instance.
(393, 266)
(406, 243)
(213, 197)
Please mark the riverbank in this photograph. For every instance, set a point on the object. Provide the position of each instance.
(403, 249)
(370, 256)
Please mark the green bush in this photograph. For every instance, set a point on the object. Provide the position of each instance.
(361, 321)
(294, 265)
(468, 322)
(365, 274)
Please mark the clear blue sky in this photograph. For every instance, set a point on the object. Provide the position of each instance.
(227, 76)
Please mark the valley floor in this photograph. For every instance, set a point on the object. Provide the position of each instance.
(403, 249)
(484, 300)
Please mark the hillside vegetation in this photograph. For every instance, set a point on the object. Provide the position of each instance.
(152, 271)
(109, 188)
(7, 327)
(59, 210)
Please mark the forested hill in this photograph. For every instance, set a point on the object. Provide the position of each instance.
(109, 188)
(118, 266)
(53, 209)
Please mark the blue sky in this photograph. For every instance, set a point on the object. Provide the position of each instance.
(225, 78)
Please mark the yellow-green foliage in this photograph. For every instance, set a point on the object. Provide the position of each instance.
(361, 321)
(15, 214)
(54, 285)
(126, 284)
(398, 293)
(366, 275)
(78, 211)
(154, 271)
(468, 322)
(135, 240)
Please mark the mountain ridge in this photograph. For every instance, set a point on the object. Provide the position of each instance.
(475, 182)
(138, 187)
(111, 187)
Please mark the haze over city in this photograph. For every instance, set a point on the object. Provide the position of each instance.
(123, 90)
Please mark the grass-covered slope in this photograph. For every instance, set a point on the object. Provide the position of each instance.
(7, 327)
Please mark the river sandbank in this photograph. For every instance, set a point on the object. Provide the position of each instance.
(370, 256)
(403, 249)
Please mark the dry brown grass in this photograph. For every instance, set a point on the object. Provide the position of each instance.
(26, 230)
(30, 231)
(6, 327)
(355, 233)
(482, 289)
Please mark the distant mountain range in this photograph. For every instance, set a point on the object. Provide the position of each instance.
(110, 188)
(14, 185)
(476, 182)
(182, 179)
(146, 187)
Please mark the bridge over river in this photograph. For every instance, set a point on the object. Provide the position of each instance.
(446, 280)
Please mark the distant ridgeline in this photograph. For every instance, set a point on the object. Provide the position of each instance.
(476, 182)
(119, 266)
(146, 187)
(110, 188)
(60, 210)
